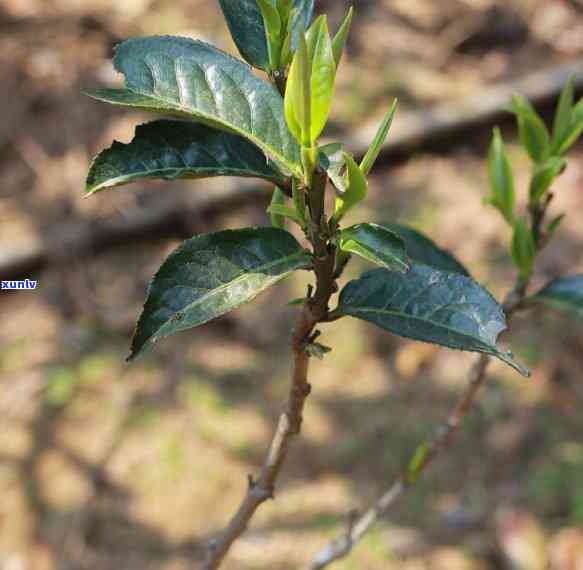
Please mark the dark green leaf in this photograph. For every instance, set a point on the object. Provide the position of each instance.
(375, 244)
(429, 305)
(564, 294)
(175, 149)
(332, 161)
(501, 178)
(544, 176)
(248, 29)
(192, 79)
(421, 249)
(210, 275)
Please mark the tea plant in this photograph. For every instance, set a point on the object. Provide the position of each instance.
(230, 121)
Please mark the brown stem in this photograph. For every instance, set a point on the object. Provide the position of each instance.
(315, 310)
(445, 435)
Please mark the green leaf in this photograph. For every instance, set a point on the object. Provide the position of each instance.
(210, 275)
(429, 305)
(356, 190)
(247, 28)
(523, 247)
(339, 40)
(554, 225)
(417, 463)
(332, 161)
(323, 75)
(195, 80)
(544, 175)
(283, 211)
(375, 244)
(375, 148)
(563, 115)
(532, 131)
(273, 27)
(501, 179)
(564, 294)
(298, 97)
(575, 129)
(174, 149)
(299, 200)
(421, 249)
(278, 199)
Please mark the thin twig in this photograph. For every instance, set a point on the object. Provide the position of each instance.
(315, 310)
(444, 436)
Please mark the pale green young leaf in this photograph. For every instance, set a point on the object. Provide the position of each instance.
(554, 225)
(376, 244)
(356, 189)
(563, 114)
(298, 98)
(377, 143)
(575, 129)
(323, 75)
(501, 178)
(277, 199)
(417, 463)
(532, 131)
(273, 29)
(283, 211)
(544, 175)
(339, 40)
(523, 247)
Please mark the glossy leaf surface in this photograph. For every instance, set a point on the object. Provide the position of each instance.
(429, 305)
(193, 79)
(564, 294)
(323, 78)
(176, 149)
(423, 250)
(247, 27)
(247, 30)
(375, 244)
(210, 275)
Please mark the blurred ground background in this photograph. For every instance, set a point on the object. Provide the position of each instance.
(106, 466)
